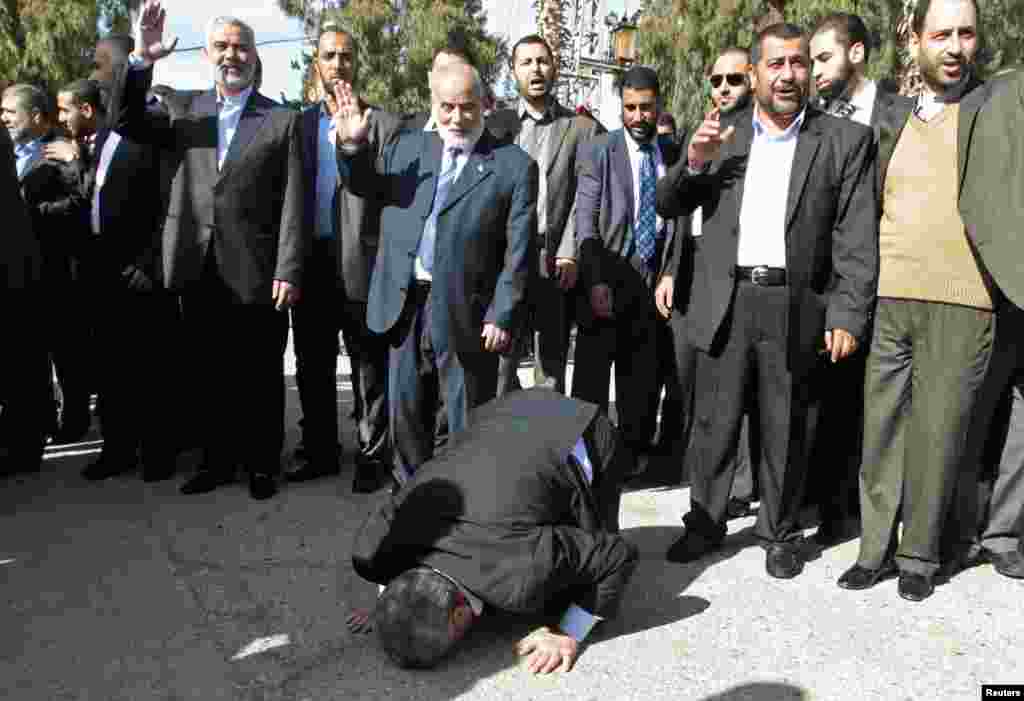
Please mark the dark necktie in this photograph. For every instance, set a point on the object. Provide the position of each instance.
(646, 232)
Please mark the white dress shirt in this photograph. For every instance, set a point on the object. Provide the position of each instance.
(231, 108)
(636, 157)
(106, 156)
(864, 102)
(25, 155)
(762, 238)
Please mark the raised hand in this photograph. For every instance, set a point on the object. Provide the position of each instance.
(150, 44)
(351, 121)
(708, 139)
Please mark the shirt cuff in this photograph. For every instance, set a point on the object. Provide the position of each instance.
(577, 623)
(137, 63)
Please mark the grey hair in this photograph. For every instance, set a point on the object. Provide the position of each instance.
(412, 618)
(450, 71)
(228, 21)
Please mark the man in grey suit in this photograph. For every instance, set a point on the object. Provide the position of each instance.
(458, 231)
(346, 230)
(233, 242)
(551, 134)
(992, 207)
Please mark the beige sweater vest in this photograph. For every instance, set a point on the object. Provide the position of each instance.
(923, 245)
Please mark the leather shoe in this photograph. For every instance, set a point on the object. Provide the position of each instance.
(303, 470)
(370, 476)
(692, 546)
(206, 481)
(783, 561)
(262, 485)
(106, 466)
(71, 433)
(857, 578)
(1009, 564)
(915, 587)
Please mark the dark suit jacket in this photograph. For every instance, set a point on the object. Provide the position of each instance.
(19, 249)
(992, 189)
(568, 132)
(605, 216)
(129, 207)
(485, 236)
(250, 212)
(503, 514)
(831, 232)
(356, 220)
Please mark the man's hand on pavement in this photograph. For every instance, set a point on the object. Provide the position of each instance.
(496, 340)
(547, 652)
(285, 294)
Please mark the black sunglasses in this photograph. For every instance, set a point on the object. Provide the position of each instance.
(734, 79)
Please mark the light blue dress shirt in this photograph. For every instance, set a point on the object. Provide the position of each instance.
(424, 263)
(26, 155)
(326, 176)
(231, 108)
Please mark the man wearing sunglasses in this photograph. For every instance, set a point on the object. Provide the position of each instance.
(730, 80)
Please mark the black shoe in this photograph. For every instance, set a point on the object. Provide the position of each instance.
(838, 530)
(738, 508)
(915, 587)
(106, 466)
(206, 481)
(262, 485)
(303, 470)
(70, 433)
(783, 561)
(692, 546)
(1009, 564)
(857, 578)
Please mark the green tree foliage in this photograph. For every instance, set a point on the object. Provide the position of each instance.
(396, 45)
(47, 43)
(682, 38)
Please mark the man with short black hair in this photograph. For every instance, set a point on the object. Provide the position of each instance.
(521, 515)
(730, 80)
(110, 58)
(551, 135)
(784, 280)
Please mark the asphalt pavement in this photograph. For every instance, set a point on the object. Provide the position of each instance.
(125, 591)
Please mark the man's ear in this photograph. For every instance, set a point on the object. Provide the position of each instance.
(856, 54)
(87, 111)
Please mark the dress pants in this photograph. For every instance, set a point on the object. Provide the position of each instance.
(551, 316)
(71, 348)
(998, 523)
(133, 329)
(27, 406)
(322, 312)
(237, 353)
(750, 351)
(424, 371)
(924, 373)
(630, 340)
(673, 409)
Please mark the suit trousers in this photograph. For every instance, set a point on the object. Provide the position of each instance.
(71, 349)
(134, 330)
(632, 340)
(424, 372)
(924, 374)
(323, 311)
(750, 353)
(999, 439)
(551, 316)
(237, 352)
(27, 406)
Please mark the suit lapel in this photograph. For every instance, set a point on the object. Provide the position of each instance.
(559, 130)
(312, 144)
(739, 150)
(969, 108)
(430, 166)
(204, 108)
(249, 123)
(624, 169)
(476, 170)
(807, 143)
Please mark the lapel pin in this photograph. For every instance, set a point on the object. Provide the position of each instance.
(480, 167)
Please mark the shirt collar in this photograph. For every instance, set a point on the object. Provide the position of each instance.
(634, 146)
(234, 100)
(791, 130)
(27, 148)
(525, 109)
(864, 100)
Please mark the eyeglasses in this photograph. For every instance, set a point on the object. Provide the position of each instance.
(733, 79)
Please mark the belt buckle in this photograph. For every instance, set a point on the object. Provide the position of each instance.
(759, 275)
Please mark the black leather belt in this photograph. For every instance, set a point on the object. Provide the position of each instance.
(762, 275)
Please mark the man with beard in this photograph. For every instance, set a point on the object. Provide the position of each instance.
(109, 59)
(550, 134)
(933, 325)
(233, 244)
(624, 249)
(840, 51)
(345, 231)
(459, 226)
(784, 280)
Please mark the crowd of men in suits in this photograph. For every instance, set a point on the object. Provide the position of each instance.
(822, 279)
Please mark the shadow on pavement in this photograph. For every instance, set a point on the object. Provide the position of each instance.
(760, 691)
